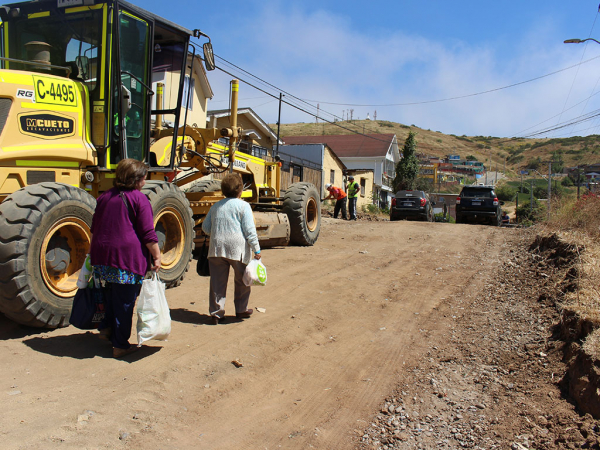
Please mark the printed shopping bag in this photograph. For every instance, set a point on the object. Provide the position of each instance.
(154, 317)
(88, 307)
(255, 274)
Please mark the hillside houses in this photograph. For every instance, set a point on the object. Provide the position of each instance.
(371, 158)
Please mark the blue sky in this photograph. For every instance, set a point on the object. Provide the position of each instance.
(384, 55)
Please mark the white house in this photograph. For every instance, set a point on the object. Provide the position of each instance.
(375, 152)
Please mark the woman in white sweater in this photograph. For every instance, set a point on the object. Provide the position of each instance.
(233, 240)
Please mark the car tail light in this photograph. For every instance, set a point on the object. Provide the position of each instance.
(458, 200)
(423, 201)
(394, 201)
(496, 201)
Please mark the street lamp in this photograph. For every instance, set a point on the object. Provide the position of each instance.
(579, 41)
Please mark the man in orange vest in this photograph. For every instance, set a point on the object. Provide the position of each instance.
(340, 197)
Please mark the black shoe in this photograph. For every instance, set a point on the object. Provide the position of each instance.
(244, 315)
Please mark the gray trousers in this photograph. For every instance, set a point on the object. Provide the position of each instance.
(219, 274)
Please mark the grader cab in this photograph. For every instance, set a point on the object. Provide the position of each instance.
(78, 95)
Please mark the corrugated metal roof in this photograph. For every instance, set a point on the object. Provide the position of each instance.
(349, 146)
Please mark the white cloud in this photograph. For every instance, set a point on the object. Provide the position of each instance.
(323, 57)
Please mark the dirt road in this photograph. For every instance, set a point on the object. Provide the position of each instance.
(344, 319)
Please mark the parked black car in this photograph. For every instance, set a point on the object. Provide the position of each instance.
(479, 204)
(412, 205)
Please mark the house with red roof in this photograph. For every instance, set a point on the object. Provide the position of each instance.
(378, 153)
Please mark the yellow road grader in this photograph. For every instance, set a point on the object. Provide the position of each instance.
(76, 97)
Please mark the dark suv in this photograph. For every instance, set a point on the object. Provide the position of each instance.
(411, 205)
(478, 204)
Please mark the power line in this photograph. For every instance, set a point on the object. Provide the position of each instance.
(580, 119)
(461, 96)
(294, 102)
(298, 107)
(568, 109)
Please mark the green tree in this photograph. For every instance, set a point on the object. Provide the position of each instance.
(407, 168)
(558, 164)
(472, 158)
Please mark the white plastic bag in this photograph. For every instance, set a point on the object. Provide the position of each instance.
(154, 317)
(85, 273)
(255, 274)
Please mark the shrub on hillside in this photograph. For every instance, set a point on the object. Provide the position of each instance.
(527, 214)
(506, 193)
(582, 215)
(567, 182)
(534, 164)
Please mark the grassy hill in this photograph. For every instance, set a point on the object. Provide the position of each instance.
(518, 153)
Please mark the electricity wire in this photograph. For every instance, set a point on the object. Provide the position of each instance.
(462, 96)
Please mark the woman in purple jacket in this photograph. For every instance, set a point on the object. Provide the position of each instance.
(123, 241)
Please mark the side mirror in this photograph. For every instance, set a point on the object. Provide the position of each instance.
(209, 56)
(82, 64)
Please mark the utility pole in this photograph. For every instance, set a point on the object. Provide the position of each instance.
(531, 199)
(317, 116)
(486, 173)
(549, 186)
(578, 182)
(279, 123)
(496, 175)
(521, 181)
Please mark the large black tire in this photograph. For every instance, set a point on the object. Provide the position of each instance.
(205, 186)
(302, 205)
(47, 222)
(174, 227)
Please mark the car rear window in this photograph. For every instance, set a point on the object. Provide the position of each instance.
(417, 194)
(477, 193)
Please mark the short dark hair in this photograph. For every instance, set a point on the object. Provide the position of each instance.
(129, 173)
(232, 185)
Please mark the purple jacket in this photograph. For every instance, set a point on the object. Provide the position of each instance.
(115, 241)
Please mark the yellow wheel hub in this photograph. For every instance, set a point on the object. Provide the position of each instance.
(312, 214)
(172, 223)
(70, 235)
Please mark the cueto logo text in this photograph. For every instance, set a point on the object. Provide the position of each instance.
(46, 125)
(63, 124)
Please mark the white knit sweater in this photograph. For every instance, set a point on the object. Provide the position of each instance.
(230, 225)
